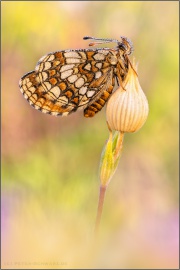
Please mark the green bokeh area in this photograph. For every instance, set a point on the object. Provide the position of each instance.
(50, 164)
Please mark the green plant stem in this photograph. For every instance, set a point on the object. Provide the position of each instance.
(102, 193)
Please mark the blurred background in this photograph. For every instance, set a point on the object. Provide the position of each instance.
(50, 164)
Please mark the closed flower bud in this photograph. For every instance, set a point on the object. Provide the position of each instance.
(127, 108)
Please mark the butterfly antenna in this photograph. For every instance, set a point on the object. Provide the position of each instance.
(100, 40)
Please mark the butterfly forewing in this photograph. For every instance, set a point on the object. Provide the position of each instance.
(65, 81)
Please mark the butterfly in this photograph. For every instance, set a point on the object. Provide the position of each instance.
(68, 80)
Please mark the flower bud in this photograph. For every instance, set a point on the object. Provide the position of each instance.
(127, 108)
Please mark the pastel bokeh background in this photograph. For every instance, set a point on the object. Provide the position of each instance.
(50, 164)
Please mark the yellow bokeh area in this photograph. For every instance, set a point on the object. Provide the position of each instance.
(50, 164)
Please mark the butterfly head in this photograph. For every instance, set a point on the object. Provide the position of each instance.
(125, 45)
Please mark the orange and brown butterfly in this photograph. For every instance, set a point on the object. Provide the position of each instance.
(69, 80)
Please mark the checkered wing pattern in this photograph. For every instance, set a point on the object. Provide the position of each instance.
(66, 81)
